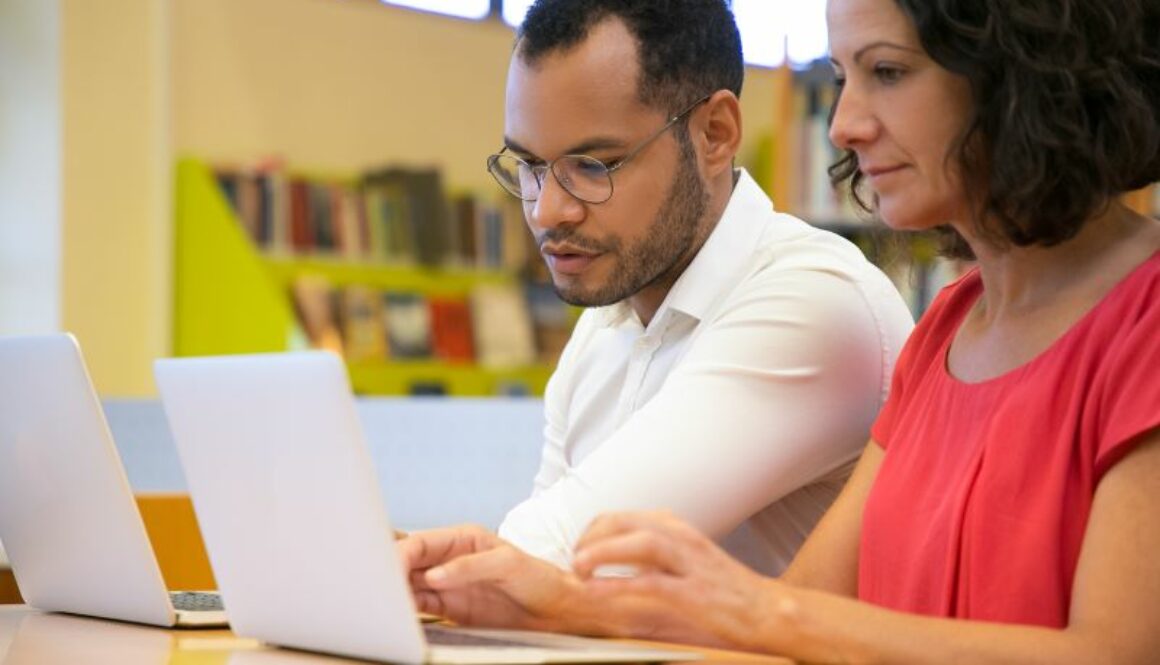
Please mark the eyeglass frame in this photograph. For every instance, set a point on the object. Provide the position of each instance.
(540, 171)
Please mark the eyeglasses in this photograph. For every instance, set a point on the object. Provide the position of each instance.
(584, 177)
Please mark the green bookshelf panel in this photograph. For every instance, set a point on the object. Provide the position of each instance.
(226, 300)
(386, 278)
(408, 377)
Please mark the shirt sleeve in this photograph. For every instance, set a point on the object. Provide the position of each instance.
(778, 389)
(1129, 402)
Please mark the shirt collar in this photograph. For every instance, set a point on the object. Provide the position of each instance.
(707, 279)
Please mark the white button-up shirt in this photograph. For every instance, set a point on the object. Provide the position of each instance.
(741, 407)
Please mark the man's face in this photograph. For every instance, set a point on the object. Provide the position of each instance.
(584, 101)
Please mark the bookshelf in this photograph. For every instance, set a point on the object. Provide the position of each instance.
(230, 298)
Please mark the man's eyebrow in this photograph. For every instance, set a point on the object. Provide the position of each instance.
(583, 148)
(882, 44)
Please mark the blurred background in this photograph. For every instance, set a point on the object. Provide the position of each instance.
(222, 176)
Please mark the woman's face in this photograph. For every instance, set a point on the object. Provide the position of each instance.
(900, 112)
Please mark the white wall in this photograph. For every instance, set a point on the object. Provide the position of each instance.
(30, 166)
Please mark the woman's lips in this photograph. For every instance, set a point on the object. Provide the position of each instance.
(879, 173)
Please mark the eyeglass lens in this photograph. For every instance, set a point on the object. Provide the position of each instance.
(584, 177)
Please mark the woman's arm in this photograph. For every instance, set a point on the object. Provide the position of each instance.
(828, 560)
(1114, 610)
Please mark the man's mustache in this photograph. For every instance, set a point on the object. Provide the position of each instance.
(569, 236)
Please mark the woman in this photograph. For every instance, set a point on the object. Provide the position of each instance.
(1007, 506)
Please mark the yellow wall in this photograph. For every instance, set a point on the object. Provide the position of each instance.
(330, 85)
(116, 164)
(343, 85)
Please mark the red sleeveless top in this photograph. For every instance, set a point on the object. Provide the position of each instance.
(981, 502)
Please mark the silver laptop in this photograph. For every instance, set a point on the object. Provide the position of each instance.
(68, 519)
(296, 526)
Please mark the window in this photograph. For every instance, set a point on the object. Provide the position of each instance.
(514, 11)
(771, 30)
(461, 8)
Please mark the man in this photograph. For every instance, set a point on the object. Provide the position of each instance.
(732, 358)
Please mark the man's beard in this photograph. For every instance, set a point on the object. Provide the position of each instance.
(659, 255)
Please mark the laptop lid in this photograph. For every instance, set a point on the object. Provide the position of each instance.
(295, 524)
(68, 519)
(271, 445)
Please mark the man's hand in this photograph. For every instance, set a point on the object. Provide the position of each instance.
(469, 575)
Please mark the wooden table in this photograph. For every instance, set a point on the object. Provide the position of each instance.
(30, 637)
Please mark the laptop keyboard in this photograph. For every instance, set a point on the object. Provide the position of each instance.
(451, 638)
(196, 601)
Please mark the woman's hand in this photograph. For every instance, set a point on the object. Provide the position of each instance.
(682, 586)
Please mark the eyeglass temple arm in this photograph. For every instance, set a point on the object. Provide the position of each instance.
(644, 144)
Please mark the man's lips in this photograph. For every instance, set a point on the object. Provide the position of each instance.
(568, 260)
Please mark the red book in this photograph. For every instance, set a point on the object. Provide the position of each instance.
(301, 237)
(451, 330)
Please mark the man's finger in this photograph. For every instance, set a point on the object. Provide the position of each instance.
(418, 580)
(491, 565)
(430, 602)
(424, 549)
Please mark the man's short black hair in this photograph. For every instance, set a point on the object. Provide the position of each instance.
(687, 48)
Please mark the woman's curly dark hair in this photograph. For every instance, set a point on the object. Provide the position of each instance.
(1067, 108)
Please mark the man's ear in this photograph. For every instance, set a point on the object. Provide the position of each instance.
(717, 130)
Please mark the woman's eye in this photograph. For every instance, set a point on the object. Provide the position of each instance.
(888, 74)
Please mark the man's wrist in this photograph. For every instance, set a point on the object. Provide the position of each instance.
(573, 612)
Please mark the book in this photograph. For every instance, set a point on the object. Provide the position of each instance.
(387, 219)
(320, 221)
(241, 190)
(467, 216)
(552, 321)
(418, 216)
(314, 303)
(503, 327)
(275, 209)
(301, 233)
(451, 334)
(408, 324)
(363, 328)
